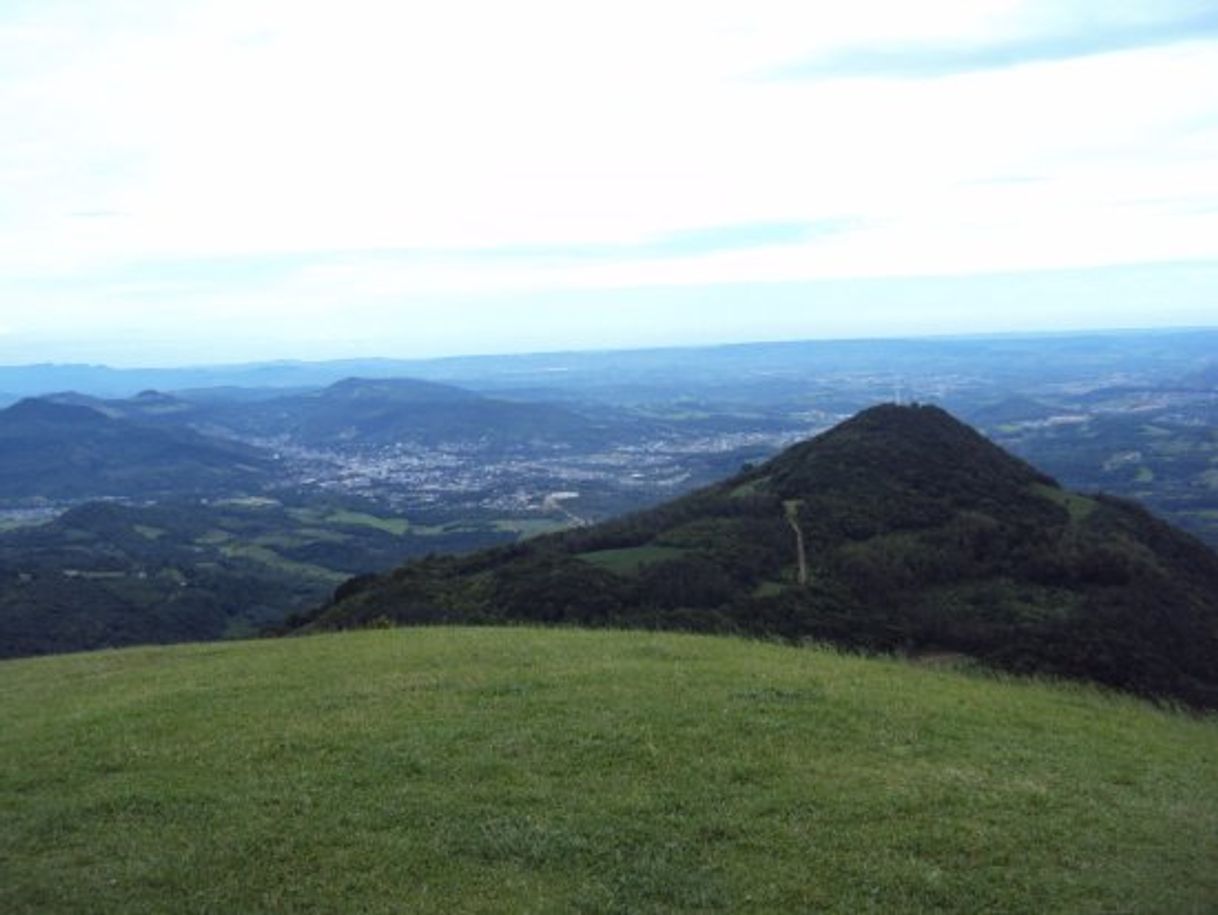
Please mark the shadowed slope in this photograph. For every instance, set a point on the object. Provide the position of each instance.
(918, 534)
(58, 450)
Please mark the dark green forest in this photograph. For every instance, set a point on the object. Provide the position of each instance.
(107, 574)
(919, 535)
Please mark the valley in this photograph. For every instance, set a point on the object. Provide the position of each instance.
(262, 483)
(900, 530)
(467, 478)
(609, 459)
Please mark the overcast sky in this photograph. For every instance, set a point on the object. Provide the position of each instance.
(214, 181)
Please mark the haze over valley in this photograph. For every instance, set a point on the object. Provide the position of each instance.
(203, 497)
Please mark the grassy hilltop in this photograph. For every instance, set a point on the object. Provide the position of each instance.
(496, 770)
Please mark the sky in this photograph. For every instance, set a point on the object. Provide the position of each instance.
(209, 181)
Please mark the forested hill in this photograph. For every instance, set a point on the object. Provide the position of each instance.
(394, 411)
(58, 450)
(900, 529)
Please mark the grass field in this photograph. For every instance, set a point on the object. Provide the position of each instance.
(395, 526)
(459, 770)
(345, 517)
(630, 560)
(531, 527)
(270, 558)
(1080, 507)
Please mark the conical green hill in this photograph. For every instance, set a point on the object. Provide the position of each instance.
(902, 529)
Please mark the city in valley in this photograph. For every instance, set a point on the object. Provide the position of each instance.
(150, 489)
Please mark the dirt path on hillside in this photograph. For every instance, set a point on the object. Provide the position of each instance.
(791, 507)
(554, 503)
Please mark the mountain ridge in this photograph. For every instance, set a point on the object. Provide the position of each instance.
(62, 450)
(920, 534)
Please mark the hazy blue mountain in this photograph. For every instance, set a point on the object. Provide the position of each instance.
(745, 371)
(404, 410)
(54, 450)
(357, 411)
(1017, 408)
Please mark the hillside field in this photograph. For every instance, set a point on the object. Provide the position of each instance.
(509, 770)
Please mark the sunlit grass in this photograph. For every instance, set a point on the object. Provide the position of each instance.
(395, 526)
(493, 770)
(268, 557)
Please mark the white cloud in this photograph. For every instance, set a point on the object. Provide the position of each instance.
(154, 131)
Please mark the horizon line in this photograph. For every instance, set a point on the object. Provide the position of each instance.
(593, 351)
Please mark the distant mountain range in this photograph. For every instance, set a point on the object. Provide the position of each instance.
(59, 451)
(744, 371)
(70, 446)
(279, 480)
(900, 529)
(373, 411)
(1127, 412)
(406, 410)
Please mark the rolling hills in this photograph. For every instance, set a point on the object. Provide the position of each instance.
(900, 529)
(368, 412)
(104, 574)
(492, 770)
(391, 411)
(57, 451)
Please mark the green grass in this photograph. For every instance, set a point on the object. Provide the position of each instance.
(457, 770)
(15, 520)
(630, 560)
(304, 536)
(531, 527)
(1079, 507)
(268, 557)
(770, 588)
(399, 527)
(752, 487)
(320, 516)
(395, 526)
(250, 502)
